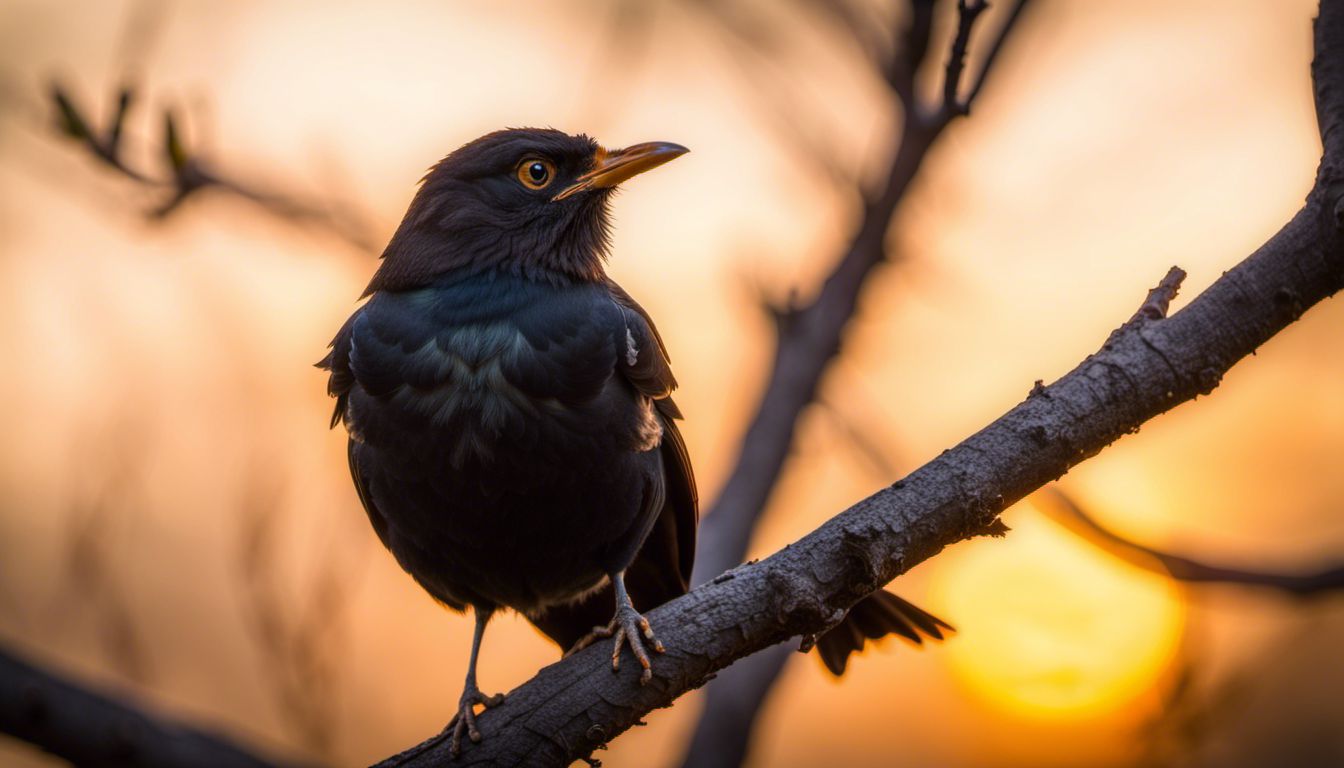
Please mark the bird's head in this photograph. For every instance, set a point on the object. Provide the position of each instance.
(529, 201)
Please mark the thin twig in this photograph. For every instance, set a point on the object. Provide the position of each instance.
(187, 173)
(967, 13)
(1068, 512)
(1160, 297)
(85, 727)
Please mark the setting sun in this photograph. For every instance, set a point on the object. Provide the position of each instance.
(1050, 627)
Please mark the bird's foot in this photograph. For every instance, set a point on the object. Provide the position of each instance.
(627, 626)
(465, 719)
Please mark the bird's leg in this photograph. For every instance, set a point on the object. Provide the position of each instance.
(627, 626)
(465, 719)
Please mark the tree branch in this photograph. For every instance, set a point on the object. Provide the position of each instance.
(1071, 514)
(967, 13)
(188, 173)
(1148, 367)
(87, 728)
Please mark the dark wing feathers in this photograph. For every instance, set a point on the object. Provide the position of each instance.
(643, 359)
(342, 378)
(649, 369)
(662, 569)
(375, 517)
(681, 499)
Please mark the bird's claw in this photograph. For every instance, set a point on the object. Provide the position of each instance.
(626, 626)
(465, 719)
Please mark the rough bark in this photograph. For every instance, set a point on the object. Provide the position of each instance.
(1149, 365)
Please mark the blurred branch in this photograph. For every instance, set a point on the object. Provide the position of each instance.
(186, 173)
(1153, 363)
(733, 705)
(298, 642)
(1071, 514)
(1065, 509)
(104, 144)
(93, 582)
(73, 722)
(809, 337)
(91, 594)
(967, 13)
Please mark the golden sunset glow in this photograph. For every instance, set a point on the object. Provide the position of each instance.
(165, 414)
(1052, 628)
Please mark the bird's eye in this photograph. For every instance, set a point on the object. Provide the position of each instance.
(535, 173)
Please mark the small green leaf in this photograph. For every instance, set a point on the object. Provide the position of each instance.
(172, 143)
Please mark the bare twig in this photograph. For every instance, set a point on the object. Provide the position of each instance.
(187, 173)
(104, 144)
(1065, 509)
(1071, 514)
(1160, 297)
(967, 13)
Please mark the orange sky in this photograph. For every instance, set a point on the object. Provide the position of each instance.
(160, 366)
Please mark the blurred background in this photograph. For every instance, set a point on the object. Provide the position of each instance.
(177, 523)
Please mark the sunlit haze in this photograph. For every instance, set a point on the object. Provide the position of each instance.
(163, 408)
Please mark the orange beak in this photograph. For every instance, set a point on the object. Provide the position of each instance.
(611, 167)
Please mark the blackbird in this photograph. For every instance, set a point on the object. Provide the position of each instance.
(512, 433)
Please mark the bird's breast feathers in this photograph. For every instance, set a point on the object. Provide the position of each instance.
(493, 361)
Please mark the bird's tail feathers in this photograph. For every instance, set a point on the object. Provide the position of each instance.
(878, 615)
